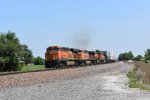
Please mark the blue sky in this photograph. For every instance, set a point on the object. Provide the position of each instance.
(115, 25)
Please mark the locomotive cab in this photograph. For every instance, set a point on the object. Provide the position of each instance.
(52, 53)
(59, 56)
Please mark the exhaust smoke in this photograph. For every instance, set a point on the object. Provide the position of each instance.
(81, 40)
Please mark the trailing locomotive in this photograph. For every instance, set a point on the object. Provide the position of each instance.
(59, 57)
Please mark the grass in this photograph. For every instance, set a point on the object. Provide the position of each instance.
(33, 67)
(143, 70)
(133, 82)
(144, 66)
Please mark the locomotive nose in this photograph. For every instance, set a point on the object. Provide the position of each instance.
(48, 55)
(52, 55)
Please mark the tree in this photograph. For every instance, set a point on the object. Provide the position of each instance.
(147, 52)
(130, 55)
(25, 54)
(147, 55)
(126, 56)
(33, 59)
(39, 61)
(120, 57)
(3, 62)
(9, 48)
(11, 51)
(138, 58)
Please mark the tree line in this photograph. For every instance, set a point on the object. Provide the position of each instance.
(129, 56)
(13, 53)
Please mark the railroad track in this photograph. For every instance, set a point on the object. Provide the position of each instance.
(47, 69)
(20, 72)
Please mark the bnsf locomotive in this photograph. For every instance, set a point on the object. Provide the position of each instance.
(59, 57)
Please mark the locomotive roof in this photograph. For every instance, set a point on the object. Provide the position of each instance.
(54, 47)
(76, 50)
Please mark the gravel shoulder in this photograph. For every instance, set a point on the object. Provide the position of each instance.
(100, 82)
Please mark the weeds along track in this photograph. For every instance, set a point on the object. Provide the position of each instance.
(143, 72)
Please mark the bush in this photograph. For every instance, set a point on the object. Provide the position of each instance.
(138, 58)
(38, 61)
(133, 82)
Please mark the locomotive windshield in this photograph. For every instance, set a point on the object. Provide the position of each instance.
(53, 49)
(65, 49)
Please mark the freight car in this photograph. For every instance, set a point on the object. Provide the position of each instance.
(59, 57)
(110, 57)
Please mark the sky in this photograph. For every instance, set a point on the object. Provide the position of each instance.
(113, 25)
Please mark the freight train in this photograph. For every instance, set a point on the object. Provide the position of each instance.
(59, 57)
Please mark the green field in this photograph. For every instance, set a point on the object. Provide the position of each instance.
(33, 67)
